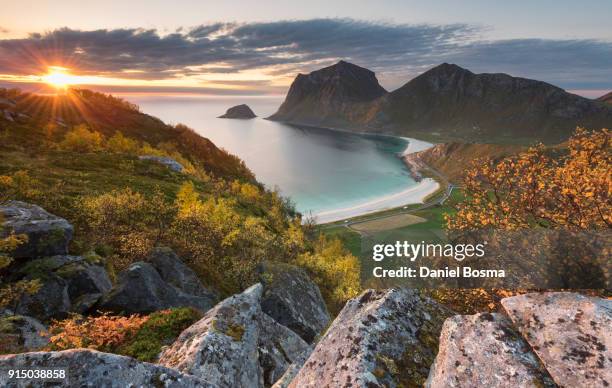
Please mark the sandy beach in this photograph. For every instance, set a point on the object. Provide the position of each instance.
(411, 195)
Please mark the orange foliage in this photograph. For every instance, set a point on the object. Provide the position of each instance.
(534, 189)
(103, 333)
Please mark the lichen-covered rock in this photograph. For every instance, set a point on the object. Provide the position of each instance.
(173, 271)
(20, 333)
(50, 301)
(222, 347)
(48, 234)
(483, 350)
(279, 348)
(570, 333)
(86, 279)
(293, 369)
(385, 338)
(140, 289)
(166, 161)
(90, 368)
(293, 300)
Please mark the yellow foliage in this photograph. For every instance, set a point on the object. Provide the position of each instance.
(534, 189)
(82, 139)
(335, 270)
(122, 144)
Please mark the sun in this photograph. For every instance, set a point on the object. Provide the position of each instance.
(59, 78)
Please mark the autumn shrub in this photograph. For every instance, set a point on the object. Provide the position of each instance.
(104, 333)
(18, 185)
(335, 270)
(122, 144)
(160, 329)
(124, 224)
(82, 139)
(136, 336)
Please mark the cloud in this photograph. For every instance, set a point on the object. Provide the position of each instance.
(397, 52)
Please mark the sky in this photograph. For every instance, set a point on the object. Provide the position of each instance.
(257, 47)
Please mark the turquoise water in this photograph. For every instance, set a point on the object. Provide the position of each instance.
(319, 169)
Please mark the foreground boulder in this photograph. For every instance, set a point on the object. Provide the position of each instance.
(293, 300)
(239, 112)
(173, 271)
(570, 333)
(279, 349)
(223, 346)
(140, 289)
(166, 161)
(90, 368)
(48, 234)
(380, 339)
(483, 350)
(20, 333)
(68, 284)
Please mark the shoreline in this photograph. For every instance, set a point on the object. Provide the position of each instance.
(412, 195)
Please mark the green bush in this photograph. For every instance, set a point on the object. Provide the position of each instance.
(160, 329)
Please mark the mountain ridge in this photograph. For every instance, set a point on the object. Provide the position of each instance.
(450, 102)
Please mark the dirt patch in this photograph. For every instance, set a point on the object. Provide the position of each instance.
(387, 223)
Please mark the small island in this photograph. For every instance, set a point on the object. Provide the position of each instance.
(239, 112)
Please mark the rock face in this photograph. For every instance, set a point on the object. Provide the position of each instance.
(69, 284)
(447, 102)
(20, 333)
(223, 346)
(47, 234)
(90, 368)
(570, 333)
(279, 349)
(141, 289)
(483, 350)
(237, 345)
(239, 112)
(330, 96)
(173, 271)
(379, 339)
(293, 300)
(166, 161)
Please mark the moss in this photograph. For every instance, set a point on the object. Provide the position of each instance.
(160, 329)
(39, 268)
(9, 325)
(235, 331)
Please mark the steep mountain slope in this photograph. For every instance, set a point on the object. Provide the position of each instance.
(455, 102)
(607, 98)
(444, 103)
(107, 115)
(332, 96)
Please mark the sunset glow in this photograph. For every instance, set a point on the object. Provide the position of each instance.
(59, 78)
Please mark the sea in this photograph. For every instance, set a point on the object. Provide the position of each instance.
(319, 169)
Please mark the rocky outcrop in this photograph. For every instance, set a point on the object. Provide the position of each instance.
(237, 345)
(20, 333)
(68, 284)
(50, 301)
(484, 350)
(47, 234)
(332, 96)
(166, 161)
(382, 338)
(223, 346)
(90, 368)
(570, 333)
(293, 300)
(242, 111)
(174, 272)
(279, 349)
(446, 102)
(141, 289)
